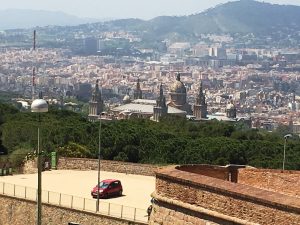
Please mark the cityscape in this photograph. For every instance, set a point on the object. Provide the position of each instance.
(197, 115)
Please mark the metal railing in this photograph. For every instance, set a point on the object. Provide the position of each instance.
(75, 202)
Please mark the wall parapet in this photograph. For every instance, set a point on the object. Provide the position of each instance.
(232, 199)
(219, 172)
(285, 182)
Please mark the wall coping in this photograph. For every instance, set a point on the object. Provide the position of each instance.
(256, 170)
(108, 161)
(204, 166)
(249, 193)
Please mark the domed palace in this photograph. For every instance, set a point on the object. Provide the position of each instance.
(155, 109)
(178, 96)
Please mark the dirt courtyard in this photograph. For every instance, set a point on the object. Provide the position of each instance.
(136, 188)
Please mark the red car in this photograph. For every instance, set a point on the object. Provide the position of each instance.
(107, 188)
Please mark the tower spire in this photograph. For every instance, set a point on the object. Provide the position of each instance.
(200, 100)
(96, 104)
(161, 108)
(138, 94)
(161, 91)
(97, 86)
(138, 86)
(96, 93)
(200, 106)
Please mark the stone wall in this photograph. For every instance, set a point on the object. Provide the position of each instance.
(285, 182)
(221, 202)
(29, 167)
(22, 212)
(106, 165)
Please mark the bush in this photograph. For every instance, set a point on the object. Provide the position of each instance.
(18, 157)
(121, 157)
(74, 150)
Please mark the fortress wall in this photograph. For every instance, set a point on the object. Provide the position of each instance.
(20, 211)
(284, 182)
(220, 202)
(165, 213)
(106, 165)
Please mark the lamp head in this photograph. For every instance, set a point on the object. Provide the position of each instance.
(39, 106)
(287, 136)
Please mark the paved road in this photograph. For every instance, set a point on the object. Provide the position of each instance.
(136, 193)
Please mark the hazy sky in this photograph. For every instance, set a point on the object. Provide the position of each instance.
(144, 9)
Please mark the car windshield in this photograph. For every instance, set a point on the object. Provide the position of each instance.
(103, 184)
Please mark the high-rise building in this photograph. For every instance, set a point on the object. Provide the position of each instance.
(201, 50)
(90, 45)
(219, 53)
(83, 91)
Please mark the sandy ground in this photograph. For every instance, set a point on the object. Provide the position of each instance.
(136, 189)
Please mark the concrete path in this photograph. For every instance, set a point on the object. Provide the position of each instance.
(136, 189)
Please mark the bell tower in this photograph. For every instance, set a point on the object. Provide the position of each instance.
(96, 104)
(231, 110)
(161, 108)
(200, 106)
(138, 94)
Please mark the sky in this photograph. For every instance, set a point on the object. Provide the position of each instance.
(115, 9)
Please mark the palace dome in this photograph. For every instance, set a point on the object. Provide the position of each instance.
(126, 99)
(230, 106)
(178, 86)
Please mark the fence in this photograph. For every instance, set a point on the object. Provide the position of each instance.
(74, 202)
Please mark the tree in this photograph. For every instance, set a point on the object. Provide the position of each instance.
(73, 150)
(173, 140)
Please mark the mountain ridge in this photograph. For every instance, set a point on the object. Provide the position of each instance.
(244, 16)
(22, 19)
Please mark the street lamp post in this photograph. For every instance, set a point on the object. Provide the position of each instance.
(99, 151)
(284, 146)
(39, 106)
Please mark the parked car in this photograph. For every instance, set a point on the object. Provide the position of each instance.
(107, 188)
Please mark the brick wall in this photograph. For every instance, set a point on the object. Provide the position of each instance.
(207, 170)
(219, 199)
(22, 212)
(285, 182)
(169, 214)
(106, 165)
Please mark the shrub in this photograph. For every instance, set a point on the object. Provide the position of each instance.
(18, 157)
